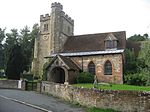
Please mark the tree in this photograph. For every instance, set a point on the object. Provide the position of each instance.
(11, 40)
(130, 63)
(138, 37)
(14, 65)
(144, 55)
(25, 42)
(2, 36)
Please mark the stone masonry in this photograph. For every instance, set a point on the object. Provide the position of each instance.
(124, 101)
(99, 61)
(54, 31)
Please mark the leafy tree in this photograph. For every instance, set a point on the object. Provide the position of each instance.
(35, 31)
(14, 65)
(138, 37)
(144, 55)
(2, 36)
(25, 42)
(11, 40)
(34, 34)
(131, 62)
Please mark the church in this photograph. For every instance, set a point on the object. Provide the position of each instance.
(101, 54)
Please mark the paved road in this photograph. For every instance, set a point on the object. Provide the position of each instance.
(7, 105)
(40, 100)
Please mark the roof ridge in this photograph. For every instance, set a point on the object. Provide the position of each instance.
(96, 33)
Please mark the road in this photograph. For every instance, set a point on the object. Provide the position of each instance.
(7, 105)
(43, 101)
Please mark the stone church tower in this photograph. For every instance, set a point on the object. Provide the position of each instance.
(54, 31)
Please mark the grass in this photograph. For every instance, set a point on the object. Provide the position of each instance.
(116, 87)
(3, 78)
(100, 110)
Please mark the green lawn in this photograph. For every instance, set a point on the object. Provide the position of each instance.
(3, 78)
(116, 87)
(100, 110)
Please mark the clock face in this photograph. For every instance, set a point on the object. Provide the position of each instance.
(45, 37)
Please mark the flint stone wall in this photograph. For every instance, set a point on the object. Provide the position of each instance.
(126, 101)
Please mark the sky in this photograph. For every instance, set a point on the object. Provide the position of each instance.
(90, 16)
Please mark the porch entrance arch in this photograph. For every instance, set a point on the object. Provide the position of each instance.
(58, 75)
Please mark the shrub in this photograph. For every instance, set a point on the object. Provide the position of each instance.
(136, 79)
(28, 77)
(85, 77)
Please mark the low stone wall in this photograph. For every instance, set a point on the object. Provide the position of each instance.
(126, 101)
(11, 84)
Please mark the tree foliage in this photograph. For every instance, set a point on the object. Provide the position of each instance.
(131, 62)
(25, 42)
(14, 63)
(2, 37)
(137, 71)
(25, 39)
(11, 40)
(138, 37)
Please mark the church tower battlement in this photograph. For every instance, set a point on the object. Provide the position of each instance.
(44, 18)
(55, 29)
(56, 5)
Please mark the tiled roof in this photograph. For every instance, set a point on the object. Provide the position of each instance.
(69, 63)
(92, 42)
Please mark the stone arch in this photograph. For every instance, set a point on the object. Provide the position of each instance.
(58, 75)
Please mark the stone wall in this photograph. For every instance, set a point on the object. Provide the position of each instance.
(126, 101)
(99, 61)
(11, 84)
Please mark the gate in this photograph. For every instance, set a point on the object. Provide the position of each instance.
(31, 86)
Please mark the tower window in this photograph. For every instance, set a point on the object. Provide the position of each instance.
(108, 68)
(45, 27)
(91, 68)
(68, 30)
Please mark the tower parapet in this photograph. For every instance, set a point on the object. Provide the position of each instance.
(44, 18)
(56, 5)
(68, 18)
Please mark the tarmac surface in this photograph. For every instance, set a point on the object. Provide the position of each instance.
(37, 101)
(6, 105)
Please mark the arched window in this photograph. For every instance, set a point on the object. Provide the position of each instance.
(91, 68)
(108, 68)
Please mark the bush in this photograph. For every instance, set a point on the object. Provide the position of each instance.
(85, 77)
(138, 79)
(28, 77)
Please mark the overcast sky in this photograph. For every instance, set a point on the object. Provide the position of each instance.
(90, 16)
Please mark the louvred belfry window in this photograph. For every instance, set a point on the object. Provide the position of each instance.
(45, 27)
